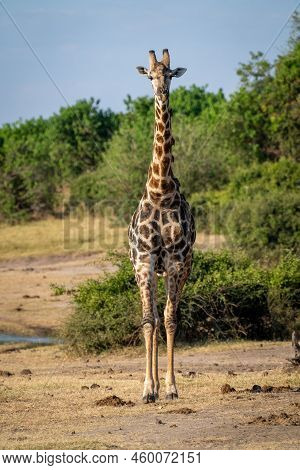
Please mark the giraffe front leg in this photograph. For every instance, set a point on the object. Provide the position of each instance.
(147, 290)
(148, 392)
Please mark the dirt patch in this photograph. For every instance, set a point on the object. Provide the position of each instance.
(226, 388)
(28, 306)
(278, 419)
(113, 400)
(26, 372)
(180, 411)
(270, 389)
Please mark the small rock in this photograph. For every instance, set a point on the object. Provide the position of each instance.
(73, 432)
(26, 372)
(5, 373)
(226, 388)
(159, 421)
(256, 389)
(230, 372)
(265, 373)
(84, 387)
(95, 386)
(189, 373)
(173, 426)
(266, 388)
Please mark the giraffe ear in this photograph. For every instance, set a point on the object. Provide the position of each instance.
(178, 72)
(142, 70)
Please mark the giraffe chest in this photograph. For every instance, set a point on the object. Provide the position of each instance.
(159, 231)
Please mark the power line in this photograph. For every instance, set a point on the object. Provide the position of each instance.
(280, 31)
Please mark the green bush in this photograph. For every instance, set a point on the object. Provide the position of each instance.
(261, 209)
(107, 312)
(284, 296)
(86, 190)
(226, 296)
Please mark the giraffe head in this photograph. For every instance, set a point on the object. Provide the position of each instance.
(161, 74)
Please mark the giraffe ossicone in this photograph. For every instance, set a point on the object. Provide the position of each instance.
(161, 233)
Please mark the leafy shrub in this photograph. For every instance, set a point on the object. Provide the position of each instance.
(87, 189)
(107, 313)
(284, 296)
(226, 296)
(58, 289)
(261, 208)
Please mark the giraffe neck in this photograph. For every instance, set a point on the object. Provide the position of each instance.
(160, 175)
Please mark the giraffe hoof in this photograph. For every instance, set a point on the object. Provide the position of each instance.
(149, 398)
(171, 396)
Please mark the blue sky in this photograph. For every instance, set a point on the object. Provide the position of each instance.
(91, 47)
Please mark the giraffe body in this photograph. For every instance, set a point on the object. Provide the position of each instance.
(161, 234)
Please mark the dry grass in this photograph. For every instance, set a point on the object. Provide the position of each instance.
(60, 236)
(84, 234)
(49, 409)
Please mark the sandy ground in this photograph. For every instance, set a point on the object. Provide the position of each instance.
(27, 302)
(53, 400)
(57, 403)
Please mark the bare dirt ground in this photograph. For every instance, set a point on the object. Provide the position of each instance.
(95, 402)
(27, 303)
(50, 399)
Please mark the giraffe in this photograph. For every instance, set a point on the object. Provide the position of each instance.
(161, 233)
